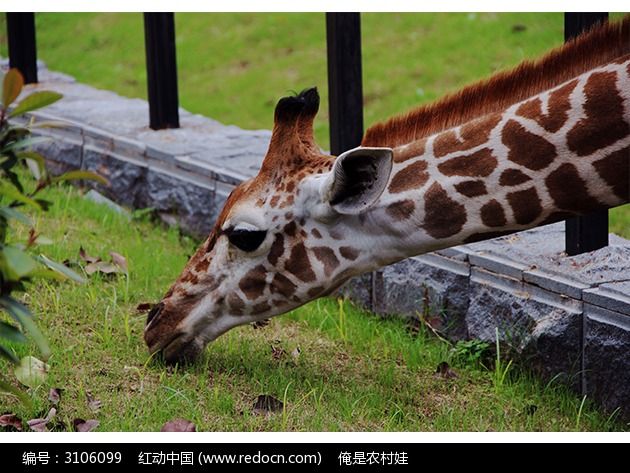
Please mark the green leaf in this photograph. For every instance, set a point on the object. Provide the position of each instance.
(8, 212)
(11, 87)
(8, 355)
(9, 332)
(60, 268)
(17, 264)
(21, 314)
(9, 388)
(34, 101)
(31, 372)
(36, 159)
(10, 191)
(26, 142)
(46, 273)
(49, 124)
(78, 174)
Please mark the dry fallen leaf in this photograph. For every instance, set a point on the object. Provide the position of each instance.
(87, 258)
(296, 353)
(119, 260)
(444, 371)
(265, 404)
(39, 425)
(260, 323)
(93, 404)
(54, 395)
(31, 372)
(102, 267)
(277, 352)
(81, 425)
(178, 425)
(11, 420)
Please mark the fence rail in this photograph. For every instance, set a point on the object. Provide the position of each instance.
(343, 41)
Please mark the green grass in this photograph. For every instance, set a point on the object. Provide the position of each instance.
(356, 372)
(233, 67)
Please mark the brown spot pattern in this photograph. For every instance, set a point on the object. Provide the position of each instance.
(478, 164)
(568, 190)
(513, 177)
(444, 217)
(529, 150)
(401, 210)
(603, 124)
(327, 257)
(409, 151)
(316, 233)
(525, 205)
(276, 250)
(253, 283)
(471, 188)
(282, 285)
(349, 253)
(261, 307)
(290, 229)
(411, 177)
(472, 134)
(299, 264)
(615, 170)
(492, 214)
(236, 304)
(558, 107)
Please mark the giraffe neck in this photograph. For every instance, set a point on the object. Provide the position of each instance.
(562, 152)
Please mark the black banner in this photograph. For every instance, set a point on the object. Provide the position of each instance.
(193, 457)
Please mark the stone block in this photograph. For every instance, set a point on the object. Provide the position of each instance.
(126, 177)
(539, 328)
(61, 155)
(607, 359)
(614, 296)
(432, 284)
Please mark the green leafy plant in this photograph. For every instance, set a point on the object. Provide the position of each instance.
(20, 261)
(470, 352)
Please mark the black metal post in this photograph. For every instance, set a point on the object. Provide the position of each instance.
(159, 41)
(588, 233)
(345, 86)
(22, 46)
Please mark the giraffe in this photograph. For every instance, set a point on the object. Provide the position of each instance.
(530, 146)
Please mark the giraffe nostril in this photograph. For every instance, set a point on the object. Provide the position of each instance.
(155, 312)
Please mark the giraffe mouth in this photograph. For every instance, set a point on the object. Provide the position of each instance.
(179, 348)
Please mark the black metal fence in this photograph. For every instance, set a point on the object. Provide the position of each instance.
(343, 41)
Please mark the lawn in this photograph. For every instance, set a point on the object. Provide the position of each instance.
(332, 366)
(233, 67)
(353, 370)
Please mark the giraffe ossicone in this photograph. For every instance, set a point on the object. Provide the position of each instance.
(527, 147)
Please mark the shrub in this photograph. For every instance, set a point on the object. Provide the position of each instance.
(20, 261)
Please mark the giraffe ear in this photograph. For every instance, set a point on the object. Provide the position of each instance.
(358, 178)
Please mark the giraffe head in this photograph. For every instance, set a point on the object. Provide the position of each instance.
(293, 233)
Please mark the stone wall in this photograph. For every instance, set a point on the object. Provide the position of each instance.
(564, 316)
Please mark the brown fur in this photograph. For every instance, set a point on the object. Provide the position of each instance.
(471, 188)
(525, 205)
(595, 48)
(411, 177)
(615, 170)
(492, 214)
(444, 217)
(478, 164)
(603, 124)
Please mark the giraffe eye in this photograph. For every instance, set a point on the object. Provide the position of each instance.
(246, 240)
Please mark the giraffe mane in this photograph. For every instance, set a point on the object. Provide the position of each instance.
(597, 47)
